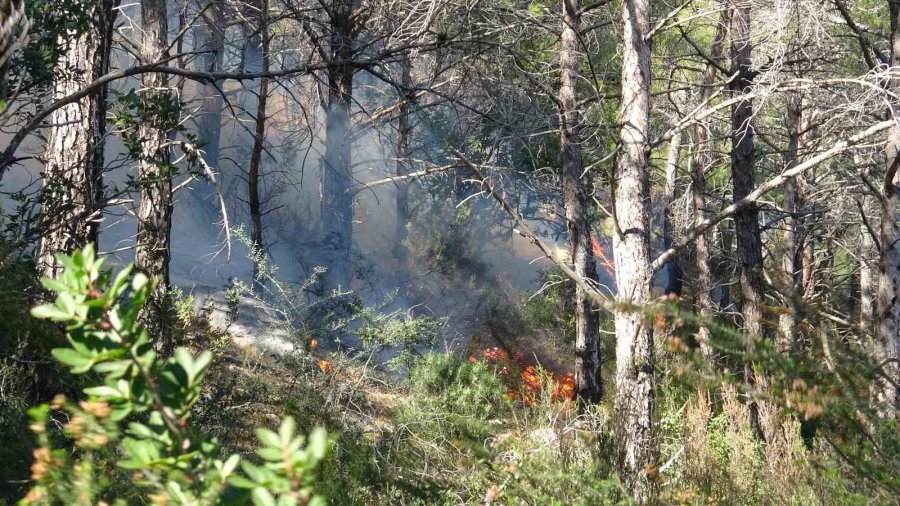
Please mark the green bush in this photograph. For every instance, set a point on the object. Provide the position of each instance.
(141, 411)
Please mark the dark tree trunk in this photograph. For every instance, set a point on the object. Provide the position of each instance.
(403, 152)
(253, 197)
(702, 161)
(73, 175)
(575, 198)
(631, 245)
(337, 177)
(743, 160)
(211, 41)
(152, 250)
(888, 345)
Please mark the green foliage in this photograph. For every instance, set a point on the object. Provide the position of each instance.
(157, 110)
(142, 408)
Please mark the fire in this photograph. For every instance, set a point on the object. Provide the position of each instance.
(325, 366)
(527, 382)
(605, 262)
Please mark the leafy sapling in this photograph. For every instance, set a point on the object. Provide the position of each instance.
(140, 413)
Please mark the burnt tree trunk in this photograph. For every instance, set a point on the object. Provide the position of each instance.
(152, 250)
(73, 175)
(253, 175)
(703, 159)
(631, 246)
(337, 177)
(888, 344)
(575, 199)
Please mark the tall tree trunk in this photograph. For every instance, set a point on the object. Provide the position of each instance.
(808, 269)
(746, 221)
(256, 231)
(888, 346)
(702, 161)
(152, 250)
(792, 263)
(631, 246)
(743, 160)
(73, 176)
(868, 268)
(403, 152)
(671, 269)
(211, 42)
(337, 177)
(575, 199)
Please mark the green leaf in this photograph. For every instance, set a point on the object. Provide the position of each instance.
(286, 431)
(104, 392)
(262, 497)
(240, 481)
(49, 312)
(70, 357)
(318, 444)
(270, 454)
(65, 301)
(53, 285)
(268, 438)
(230, 465)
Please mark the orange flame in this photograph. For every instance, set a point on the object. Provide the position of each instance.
(608, 266)
(325, 366)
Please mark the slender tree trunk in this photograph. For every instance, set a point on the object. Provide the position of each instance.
(403, 132)
(888, 346)
(256, 231)
(631, 246)
(575, 199)
(868, 268)
(73, 175)
(671, 269)
(808, 269)
(154, 226)
(337, 178)
(703, 160)
(793, 234)
(211, 35)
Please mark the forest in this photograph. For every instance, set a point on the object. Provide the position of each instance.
(447, 252)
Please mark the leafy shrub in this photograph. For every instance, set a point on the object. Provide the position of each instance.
(141, 411)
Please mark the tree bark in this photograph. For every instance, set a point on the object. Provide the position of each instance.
(575, 199)
(631, 246)
(73, 175)
(888, 345)
(253, 197)
(743, 160)
(746, 221)
(154, 226)
(337, 177)
(211, 33)
(672, 271)
(792, 263)
(703, 159)
(868, 268)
